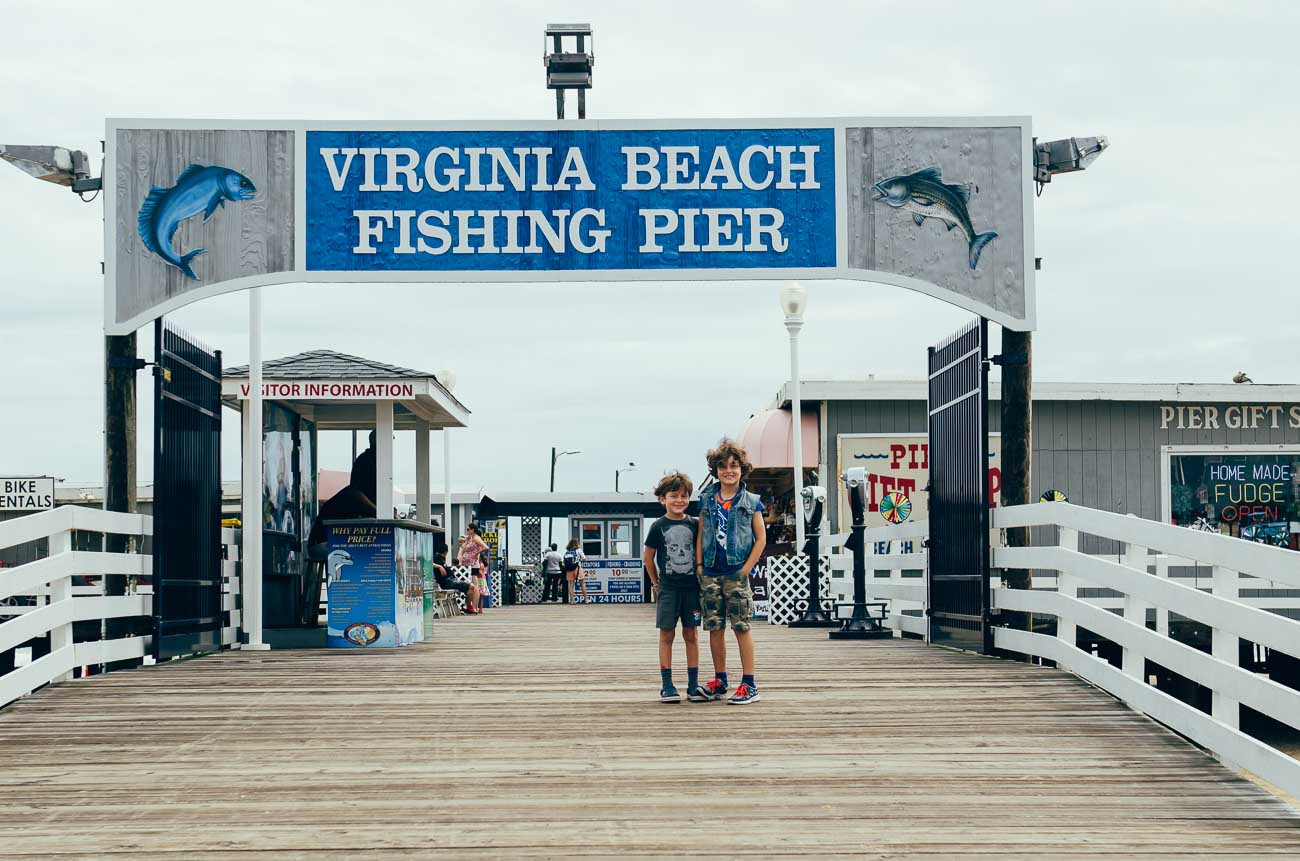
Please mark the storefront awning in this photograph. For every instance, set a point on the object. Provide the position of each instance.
(768, 440)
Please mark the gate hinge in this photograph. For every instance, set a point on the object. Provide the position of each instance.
(1010, 359)
(122, 364)
(165, 373)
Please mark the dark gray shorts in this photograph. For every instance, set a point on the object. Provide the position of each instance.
(678, 600)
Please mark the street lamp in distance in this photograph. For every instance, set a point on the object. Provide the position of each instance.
(550, 523)
(794, 299)
(629, 468)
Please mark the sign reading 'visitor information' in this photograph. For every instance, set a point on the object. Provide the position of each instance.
(197, 208)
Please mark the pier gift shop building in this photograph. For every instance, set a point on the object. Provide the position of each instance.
(1225, 455)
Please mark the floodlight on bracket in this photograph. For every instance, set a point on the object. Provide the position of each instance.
(56, 164)
(1064, 156)
(569, 69)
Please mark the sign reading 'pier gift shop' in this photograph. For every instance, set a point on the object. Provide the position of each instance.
(197, 208)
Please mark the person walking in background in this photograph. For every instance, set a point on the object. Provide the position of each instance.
(552, 574)
(470, 555)
(573, 559)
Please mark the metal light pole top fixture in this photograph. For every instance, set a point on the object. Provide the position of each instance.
(631, 467)
(794, 299)
(569, 69)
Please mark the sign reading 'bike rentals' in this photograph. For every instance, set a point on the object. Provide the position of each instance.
(200, 208)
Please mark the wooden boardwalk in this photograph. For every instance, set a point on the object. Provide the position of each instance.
(534, 731)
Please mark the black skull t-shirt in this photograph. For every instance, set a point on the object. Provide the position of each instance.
(674, 544)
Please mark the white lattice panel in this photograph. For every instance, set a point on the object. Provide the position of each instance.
(530, 590)
(787, 586)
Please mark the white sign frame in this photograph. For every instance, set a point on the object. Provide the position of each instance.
(299, 274)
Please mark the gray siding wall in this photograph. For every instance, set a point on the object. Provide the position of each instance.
(1102, 454)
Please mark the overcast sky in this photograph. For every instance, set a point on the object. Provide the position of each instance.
(1174, 258)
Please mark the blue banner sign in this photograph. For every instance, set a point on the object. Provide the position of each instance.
(570, 200)
(941, 205)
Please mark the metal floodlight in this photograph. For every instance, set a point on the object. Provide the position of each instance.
(55, 164)
(569, 70)
(1065, 156)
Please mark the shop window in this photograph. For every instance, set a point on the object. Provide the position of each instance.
(1251, 496)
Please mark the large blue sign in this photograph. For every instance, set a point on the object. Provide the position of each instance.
(941, 205)
(570, 200)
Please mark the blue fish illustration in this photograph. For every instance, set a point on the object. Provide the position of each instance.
(926, 195)
(199, 188)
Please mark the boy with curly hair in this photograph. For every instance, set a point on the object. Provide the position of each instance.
(728, 544)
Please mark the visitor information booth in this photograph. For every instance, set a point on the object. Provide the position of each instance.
(303, 396)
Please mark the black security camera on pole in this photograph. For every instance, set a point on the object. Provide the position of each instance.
(813, 502)
(861, 625)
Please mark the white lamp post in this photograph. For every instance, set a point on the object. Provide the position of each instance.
(793, 301)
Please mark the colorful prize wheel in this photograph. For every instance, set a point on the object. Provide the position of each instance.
(895, 507)
(1053, 496)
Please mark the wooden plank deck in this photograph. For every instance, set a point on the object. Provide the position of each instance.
(534, 731)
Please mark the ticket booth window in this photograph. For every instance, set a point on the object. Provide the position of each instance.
(619, 539)
(593, 540)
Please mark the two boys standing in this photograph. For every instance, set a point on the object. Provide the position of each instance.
(700, 570)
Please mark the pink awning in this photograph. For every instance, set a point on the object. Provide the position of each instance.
(767, 439)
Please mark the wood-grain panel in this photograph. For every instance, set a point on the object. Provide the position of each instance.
(252, 237)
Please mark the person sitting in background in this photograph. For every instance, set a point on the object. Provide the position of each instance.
(353, 502)
(443, 577)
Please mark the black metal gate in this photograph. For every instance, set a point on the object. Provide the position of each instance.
(187, 495)
(958, 573)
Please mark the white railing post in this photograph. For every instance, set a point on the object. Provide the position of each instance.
(1135, 610)
(1225, 647)
(1067, 585)
(60, 591)
(1162, 613)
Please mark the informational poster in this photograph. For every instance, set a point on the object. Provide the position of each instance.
(1255, 496)
(375, 586)
(613, 581)
(898, 463)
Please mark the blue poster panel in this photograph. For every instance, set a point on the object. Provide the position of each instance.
(360, 583)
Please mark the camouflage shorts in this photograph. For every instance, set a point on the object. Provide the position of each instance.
(727, 594)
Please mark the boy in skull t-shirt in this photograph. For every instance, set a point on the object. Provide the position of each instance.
(670, 563)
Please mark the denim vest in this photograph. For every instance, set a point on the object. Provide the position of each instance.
(740, 529)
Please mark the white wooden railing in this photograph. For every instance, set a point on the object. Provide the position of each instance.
(39, 599)
(54, 603)
(1234, 564)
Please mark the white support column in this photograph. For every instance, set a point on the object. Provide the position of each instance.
(61, 592)
(1067, 585)
(1162, 613)
(251, 506)
(1225, 647)
(796, 430)
(446, 489)
(422, 471)
(1135, 610)
(384, 459)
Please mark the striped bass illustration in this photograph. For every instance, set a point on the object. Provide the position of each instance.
(926, 195)
(199, 188)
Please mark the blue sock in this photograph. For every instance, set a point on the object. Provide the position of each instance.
(748, 680)
(722, 677)
(692, 678)
(667, 676)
